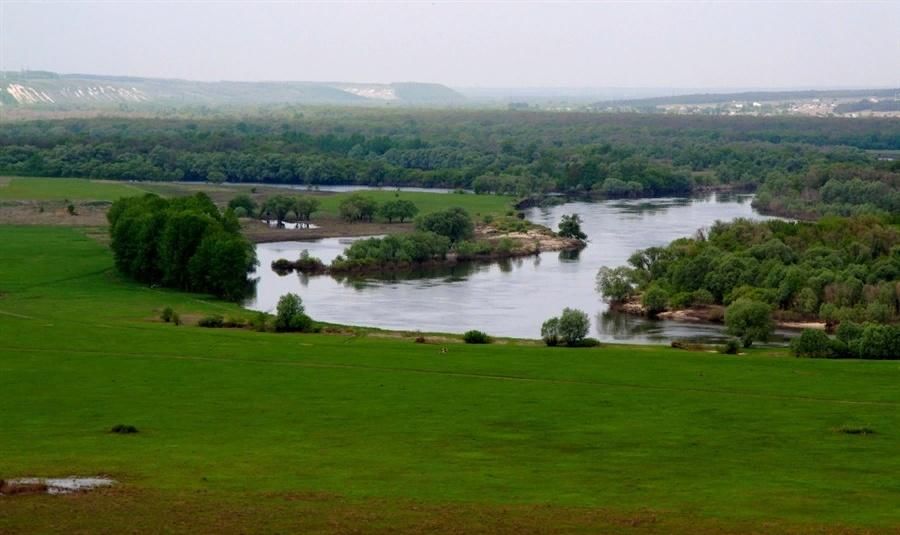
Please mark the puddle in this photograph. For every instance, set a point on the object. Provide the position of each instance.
(64, 485)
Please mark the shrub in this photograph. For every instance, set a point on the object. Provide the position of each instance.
(240, 211)
(234, 322)
(176, 319)
(614, 284)
(702, 297)
(167, 314)
(476, 337)
(453, 223)
(749, 320)
(282, 266)
(586, 342)
(290, 315)
(570, 227)
(573, 326)
(879, 342)
(308, 264)
(654, 300)
(856, 430)
(688, 345)
(260, 322)
(681, 300)
(212, 321)
(71, 209)
(848, 331)
(878, 313)
(420, 339)
(812, 343)
(732, 346)
(123, 429)
(550, 331)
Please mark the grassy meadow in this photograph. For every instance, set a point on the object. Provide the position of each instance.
(73, 189)
(243, 431)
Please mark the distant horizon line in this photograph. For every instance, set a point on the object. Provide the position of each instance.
(466, 87)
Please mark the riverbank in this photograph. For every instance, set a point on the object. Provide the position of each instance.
(714, 314)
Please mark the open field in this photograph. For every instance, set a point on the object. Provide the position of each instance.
(44, 201)
(245, 431)
(73, 189)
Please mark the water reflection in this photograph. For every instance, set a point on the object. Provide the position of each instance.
(514, 297)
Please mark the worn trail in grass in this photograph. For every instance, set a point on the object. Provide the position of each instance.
(364, 426)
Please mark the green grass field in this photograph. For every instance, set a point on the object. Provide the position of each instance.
(82, 189)
(245, 432)
(74, 189)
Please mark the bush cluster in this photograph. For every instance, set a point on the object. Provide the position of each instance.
(476, 337)
(866, 341)
(570, 328)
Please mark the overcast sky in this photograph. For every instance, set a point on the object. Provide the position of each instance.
(466, 44)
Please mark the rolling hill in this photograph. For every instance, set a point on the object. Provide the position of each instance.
(47, 89)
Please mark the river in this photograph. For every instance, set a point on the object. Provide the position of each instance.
(511, 298)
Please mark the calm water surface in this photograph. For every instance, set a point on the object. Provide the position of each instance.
(509, 298)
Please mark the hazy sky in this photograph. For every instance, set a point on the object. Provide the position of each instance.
(539, 44)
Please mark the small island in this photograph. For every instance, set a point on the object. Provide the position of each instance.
(445, 238)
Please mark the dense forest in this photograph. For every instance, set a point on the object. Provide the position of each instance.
(838, 270)
(804, 166)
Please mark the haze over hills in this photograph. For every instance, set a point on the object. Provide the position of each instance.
(40, 88)
(48, 90)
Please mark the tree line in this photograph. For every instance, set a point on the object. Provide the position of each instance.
(610, 155)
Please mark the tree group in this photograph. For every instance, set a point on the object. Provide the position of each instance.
(183, 243)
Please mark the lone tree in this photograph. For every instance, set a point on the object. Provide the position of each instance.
(573, 326)
(278, 207)
(245, 202)
(570, 227)
(358, 207)
(304, 207)
(399, 209)
(749, 320)
(291, 315)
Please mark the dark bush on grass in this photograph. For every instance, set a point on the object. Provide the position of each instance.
(585, 342)
(260, 322)
(687, 345)
(732, 346)
(213, 321)
(291, 316)
(853, 430)
(420, 339)
(234, 323)
(123, 429)
(167, 314)
(812, 344)
(476, 337)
